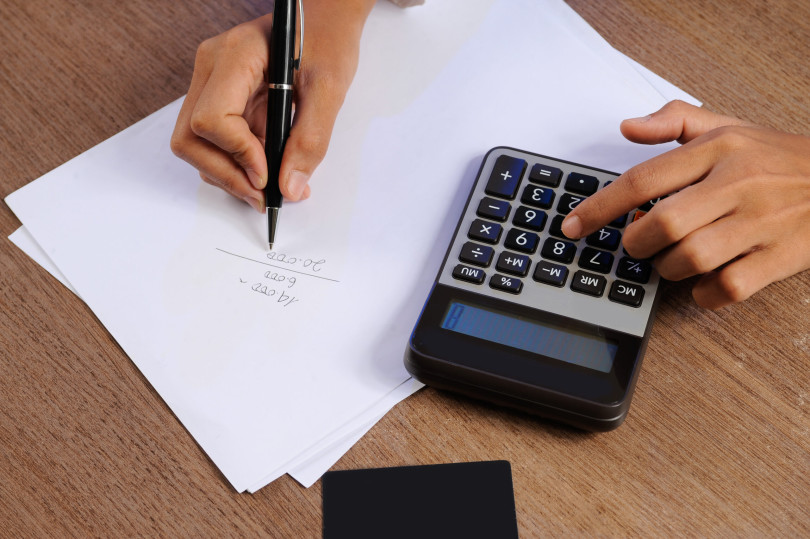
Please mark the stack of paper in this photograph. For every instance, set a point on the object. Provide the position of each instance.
(278, 362)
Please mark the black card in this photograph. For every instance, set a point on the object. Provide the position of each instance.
(469, 500)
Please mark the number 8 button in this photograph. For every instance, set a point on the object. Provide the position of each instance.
(559, 250)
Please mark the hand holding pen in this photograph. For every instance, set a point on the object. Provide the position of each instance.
(222, 123)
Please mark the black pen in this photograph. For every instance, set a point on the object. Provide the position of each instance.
(279, 103)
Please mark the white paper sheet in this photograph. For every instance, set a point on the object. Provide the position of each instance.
(26, 242)
(260, 380)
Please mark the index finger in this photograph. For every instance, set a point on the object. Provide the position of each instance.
(659, 176)
(219, 116)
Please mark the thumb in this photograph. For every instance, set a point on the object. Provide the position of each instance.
(675, 121)
(316, 110)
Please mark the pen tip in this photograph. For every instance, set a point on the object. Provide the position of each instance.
(272, 223)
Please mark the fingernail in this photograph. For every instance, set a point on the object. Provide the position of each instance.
(296, 183)
(572, 227)
(639, 120)
(255, 180)
(257, 204)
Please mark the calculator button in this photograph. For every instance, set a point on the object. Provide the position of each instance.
(507, 284)
(596, 260)
(520, 240)
(633, 270)
(548, 273)
(539, 197)
(558, 250)
(546, 175)
(513, 263)
(588, 283)
(627, 293)
(529, 218)
(485, 231)
(491, 208)
(505, 176)
(466, 273)
(473, 253)
(581, 183)
(605, 238)
(568, 202)
(555, 228)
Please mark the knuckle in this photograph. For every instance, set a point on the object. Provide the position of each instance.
(730, 138)
(314, 145)
(178, 146)
(225, 183)
(202, 123)
(640, 180)
(733, 285)
(592, 209)
(668, 224)
(696, 258)
(237, 36)
(206, 49)
(208, 179)
(241, 152)
(676, 107)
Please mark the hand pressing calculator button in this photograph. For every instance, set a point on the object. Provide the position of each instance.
(565, 344)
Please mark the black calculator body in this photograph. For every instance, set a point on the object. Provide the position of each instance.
(522, 316)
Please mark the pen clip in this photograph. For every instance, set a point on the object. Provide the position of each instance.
(297, 61)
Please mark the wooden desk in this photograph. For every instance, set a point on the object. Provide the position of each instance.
(717, 442)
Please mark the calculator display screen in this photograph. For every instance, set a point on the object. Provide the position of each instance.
(559, 343)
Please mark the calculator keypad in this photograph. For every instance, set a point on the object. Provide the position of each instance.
(515, 231)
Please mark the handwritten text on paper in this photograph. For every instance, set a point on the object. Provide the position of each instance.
(287, 269)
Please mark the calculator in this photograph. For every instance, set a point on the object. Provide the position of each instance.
(522, 316)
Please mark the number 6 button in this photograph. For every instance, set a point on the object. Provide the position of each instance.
(518, 240)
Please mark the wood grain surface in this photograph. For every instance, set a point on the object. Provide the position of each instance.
(717, 442)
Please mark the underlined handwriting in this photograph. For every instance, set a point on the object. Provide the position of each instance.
(283, 283)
